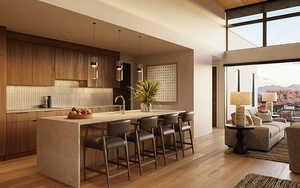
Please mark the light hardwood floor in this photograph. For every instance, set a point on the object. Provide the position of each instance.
(210, 167)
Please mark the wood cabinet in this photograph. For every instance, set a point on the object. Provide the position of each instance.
(109, 72)
(30, 64)
(71, 64)
(81, 69)
(19, 63)
(43, 65)
(21, 133)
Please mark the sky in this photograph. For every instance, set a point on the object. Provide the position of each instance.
(283, 74)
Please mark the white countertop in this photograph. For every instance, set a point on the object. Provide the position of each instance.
(55, 109)
(112, 116)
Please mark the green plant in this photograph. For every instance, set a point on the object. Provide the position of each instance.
(145, 91)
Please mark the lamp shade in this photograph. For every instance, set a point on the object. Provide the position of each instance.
(240, 98)
(269, 97)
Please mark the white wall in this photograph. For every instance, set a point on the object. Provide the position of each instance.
(202, 93)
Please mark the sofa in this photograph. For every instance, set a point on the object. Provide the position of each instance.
(293, 134)
(263, 137)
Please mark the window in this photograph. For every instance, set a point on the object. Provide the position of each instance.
(283, 11)
(245, 19)
(251, 35)
(166, 76)
(263, 24)
(283, 31)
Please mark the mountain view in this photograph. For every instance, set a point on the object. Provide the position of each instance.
(286, 95)
(267, 88)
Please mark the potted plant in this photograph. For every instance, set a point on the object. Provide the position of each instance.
(145, 91)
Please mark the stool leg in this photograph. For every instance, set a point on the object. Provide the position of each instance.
(154, 151)
(192, 140)
(127, 159)
(143, 149)
(106, 165)
(84, 163)
(181, 137)
(139, 156)
(175, 145)
(118, 156)
(163, 147)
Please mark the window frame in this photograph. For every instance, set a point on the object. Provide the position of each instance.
(263, 20)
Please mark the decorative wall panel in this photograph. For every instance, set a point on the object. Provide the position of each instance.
(166, 75)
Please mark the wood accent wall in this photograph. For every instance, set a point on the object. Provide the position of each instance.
(3, 67)
(38, 61)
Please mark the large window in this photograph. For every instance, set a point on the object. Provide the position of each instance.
(264, 24)
(283, 31)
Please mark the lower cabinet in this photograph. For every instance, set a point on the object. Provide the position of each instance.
(20, 133)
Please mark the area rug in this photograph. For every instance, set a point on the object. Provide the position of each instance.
(258, 181)
(278, 153)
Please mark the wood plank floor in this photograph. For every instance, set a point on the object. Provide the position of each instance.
(210, 167)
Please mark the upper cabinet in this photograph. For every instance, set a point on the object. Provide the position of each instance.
(70, 64)
(109, 72)
(43, 65)
(19, 63)
(34, 61)
(29, 64)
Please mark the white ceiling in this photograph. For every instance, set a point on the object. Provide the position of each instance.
(41, 19)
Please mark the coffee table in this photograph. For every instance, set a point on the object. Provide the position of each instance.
(240, 146)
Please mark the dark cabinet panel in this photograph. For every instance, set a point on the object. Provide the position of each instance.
(43, 65)
(109, 72)
(19, 63)
(20, 133)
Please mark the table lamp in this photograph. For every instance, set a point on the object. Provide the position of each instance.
(240, 99)
(269, 98)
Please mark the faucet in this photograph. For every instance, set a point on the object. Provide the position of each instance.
(122, 108)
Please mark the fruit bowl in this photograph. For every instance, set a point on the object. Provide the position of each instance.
(80, 113)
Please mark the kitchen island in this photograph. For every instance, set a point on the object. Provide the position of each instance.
(59, 142)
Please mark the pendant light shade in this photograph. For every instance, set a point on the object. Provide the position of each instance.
(119, 64)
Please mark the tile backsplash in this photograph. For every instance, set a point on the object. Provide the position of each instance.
(23, 97)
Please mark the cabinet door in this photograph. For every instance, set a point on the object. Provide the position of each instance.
(19, 60)
(109, 72)
(21, 133)
(65, 62)
(43, 65)
(81, 69)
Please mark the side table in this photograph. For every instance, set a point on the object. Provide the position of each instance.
(240, 146)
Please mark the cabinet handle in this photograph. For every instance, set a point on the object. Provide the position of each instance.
(34, 120)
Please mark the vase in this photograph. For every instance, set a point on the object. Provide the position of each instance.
(146, 107)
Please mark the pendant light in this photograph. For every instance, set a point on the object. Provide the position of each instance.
(119, 64)
(140, 70)
(93, 62)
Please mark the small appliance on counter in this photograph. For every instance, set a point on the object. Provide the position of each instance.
(49, 102)
(46, 102)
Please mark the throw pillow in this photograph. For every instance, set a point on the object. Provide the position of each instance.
(265, 116)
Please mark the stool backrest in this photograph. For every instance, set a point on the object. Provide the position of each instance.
(170, 119)
(118, 128)
(148, 123)
(187, 116)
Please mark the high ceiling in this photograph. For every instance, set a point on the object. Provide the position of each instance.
(228, 4)
(41, 19)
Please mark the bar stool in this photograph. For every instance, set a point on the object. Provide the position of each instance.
(116, 138)
(183, 126)
(167, 127)
(144, 131)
